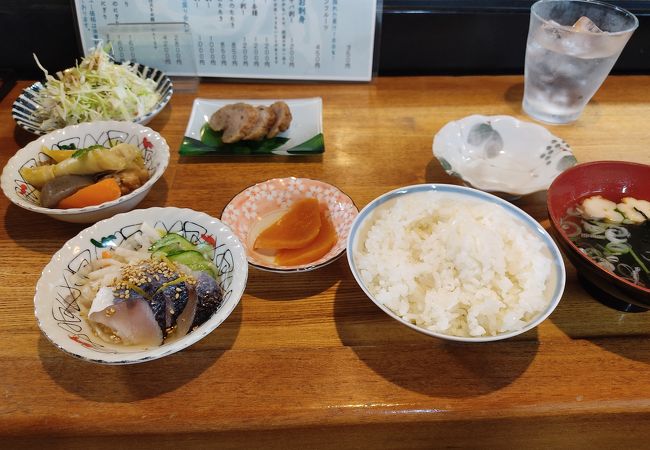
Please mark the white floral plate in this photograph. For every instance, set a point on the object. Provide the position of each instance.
(256, 207)
(57, 291)
(501, 154)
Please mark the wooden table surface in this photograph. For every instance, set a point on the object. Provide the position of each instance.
(307, 360)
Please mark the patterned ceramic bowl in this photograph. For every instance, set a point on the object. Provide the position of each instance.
(57, 292)
(155, 152)
(501, 154)
(24, 110)
(258, 206)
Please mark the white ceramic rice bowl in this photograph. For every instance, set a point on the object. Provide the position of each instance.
(555, 286)
(155, 152)
(57, 312)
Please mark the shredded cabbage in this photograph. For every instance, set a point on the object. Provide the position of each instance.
(95, 89)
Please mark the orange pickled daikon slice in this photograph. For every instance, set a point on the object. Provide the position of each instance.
(295, 229)
(313, 251)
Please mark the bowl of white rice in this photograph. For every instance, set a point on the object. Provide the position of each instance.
(455, 263)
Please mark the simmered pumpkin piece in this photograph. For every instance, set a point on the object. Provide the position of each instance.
(57, 155)
(295, 229)
(313, 251)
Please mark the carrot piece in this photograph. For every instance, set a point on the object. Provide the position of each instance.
(106, 254)
(295, 229)
(95, 194)
(316, 249)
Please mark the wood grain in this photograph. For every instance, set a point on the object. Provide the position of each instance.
(307, 360)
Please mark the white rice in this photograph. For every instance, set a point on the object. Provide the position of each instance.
(454, 265)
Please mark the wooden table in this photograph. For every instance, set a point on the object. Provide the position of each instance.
(307, 360)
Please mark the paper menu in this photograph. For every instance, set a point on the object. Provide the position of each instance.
(275, 39)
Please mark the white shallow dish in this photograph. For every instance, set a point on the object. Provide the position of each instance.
(501, 154)
(304, 134)
(555, 286)
(155, 152)
(26, 106)
(58, 314)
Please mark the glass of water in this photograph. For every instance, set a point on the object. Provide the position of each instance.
(572, 46)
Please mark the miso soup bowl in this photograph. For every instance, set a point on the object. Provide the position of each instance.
(612, 180)
(153, 146)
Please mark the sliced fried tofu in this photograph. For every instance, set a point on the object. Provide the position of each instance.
(236, 121)
(219, 120)
(282, 120)
(266, 119)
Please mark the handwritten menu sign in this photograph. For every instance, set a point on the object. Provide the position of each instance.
(282, 39)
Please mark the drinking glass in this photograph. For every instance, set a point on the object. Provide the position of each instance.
(572, 46)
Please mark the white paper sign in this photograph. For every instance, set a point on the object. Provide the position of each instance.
(281, 39)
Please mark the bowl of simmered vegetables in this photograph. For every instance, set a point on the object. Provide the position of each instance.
(87, 172)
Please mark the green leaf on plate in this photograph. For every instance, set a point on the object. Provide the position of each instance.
(211, 144)
(314, 145)
(210, 137)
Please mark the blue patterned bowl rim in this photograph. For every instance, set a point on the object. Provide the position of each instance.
(25, 105)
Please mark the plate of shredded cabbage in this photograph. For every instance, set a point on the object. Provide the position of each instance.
(97, 88)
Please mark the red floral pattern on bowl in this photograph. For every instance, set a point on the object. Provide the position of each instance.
(257, 206)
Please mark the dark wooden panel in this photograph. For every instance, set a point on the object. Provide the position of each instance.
(417, 37)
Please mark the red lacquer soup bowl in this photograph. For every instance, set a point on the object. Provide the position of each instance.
(612, 180)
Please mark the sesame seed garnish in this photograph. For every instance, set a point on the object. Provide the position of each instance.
(134, 278)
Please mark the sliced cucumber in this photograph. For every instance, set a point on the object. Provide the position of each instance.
(171, 242)
(195, 261)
